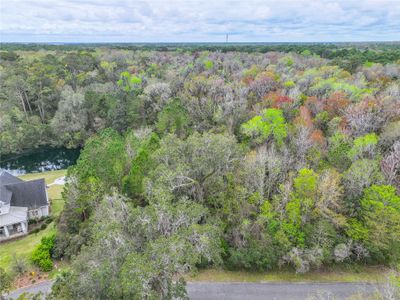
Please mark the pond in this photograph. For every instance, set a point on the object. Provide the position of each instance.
(39, 160)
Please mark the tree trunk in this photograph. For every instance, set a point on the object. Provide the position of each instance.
(23, 103)
(27, 101)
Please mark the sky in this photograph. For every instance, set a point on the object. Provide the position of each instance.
(199, 20)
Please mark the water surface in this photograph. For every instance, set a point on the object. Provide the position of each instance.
(39, 160)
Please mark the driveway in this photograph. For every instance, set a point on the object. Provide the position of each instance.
(233, 291)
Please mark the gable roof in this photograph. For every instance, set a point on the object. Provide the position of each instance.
(7, 178)
(5, 194)
(31, 194)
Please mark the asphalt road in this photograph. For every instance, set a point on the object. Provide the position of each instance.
(276, 291)
(44, 287)
(249, 291)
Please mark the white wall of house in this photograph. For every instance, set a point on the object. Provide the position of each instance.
(4, 208)
(14, 223)
(39, 212)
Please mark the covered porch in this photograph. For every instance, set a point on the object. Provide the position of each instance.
(14, 223)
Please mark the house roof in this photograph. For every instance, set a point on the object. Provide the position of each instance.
(7, 178)
(31, 194)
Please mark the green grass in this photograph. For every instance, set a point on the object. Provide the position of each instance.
(24, 246)
(357, 273)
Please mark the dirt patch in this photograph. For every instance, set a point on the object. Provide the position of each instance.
(29, 278)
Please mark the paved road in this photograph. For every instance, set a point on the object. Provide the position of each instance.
(276, 291)
(250, 291)
(43, 287)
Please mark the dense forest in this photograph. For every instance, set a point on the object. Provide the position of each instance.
(246, 157)
(50, 94)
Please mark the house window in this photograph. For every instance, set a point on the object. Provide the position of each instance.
(34, 213)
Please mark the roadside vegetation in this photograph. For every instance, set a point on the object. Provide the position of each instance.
(243, 161)
(349, 273)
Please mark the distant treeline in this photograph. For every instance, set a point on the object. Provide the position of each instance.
(347, 55)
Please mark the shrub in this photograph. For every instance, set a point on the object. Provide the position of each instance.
(5, 281)
(18, 265)
(41, 256)
(32, 221)
(49, 220)
(36, 230)
(256, 256)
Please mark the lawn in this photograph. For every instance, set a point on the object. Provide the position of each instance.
(23, 247)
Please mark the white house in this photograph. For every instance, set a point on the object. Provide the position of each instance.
(20, 201)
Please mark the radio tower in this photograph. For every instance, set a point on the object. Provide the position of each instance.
(227, 36)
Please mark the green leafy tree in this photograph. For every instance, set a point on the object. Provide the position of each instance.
(270, 124)
(141, 162)
(173, 119)
(129, 82)
(364, 147)
(380, 222)
(362, 174)
(338, 149)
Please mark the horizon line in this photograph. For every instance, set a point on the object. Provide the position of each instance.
(200, 42)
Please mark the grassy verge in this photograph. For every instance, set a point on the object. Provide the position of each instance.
(371, 274)
(24, 246)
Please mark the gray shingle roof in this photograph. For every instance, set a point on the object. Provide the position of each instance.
(7, 178)
(5, 195)
(31, 194)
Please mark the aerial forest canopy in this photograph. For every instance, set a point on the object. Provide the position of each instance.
(227, 157)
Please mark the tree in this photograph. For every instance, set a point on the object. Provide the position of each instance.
(70, 120)
(101, 166)
(364, 147)
(270, 124)
(194, 167)
(380, 216)
(129, 82)
(141, 162)
(305, 193)
(156, 96)
(173, 119)
(365, 117)
(338, 149)
(42, 78)
(139, 252)
(329, 202)
(390, 166)
(361, 174)
(78, 66)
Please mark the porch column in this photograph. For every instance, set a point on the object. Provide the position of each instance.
(23, 226)
(6, 231)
